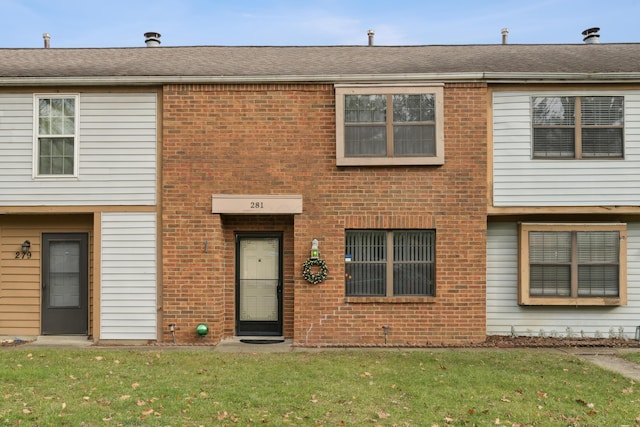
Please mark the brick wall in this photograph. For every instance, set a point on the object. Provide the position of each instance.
(280, 139)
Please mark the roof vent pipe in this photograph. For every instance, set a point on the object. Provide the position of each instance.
(47, 40)
(152, 39)
(505, 35)
(591, 35)
(371, 33)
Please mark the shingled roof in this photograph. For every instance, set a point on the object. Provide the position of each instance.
(321, 63)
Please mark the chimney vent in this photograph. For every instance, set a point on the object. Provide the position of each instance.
(152, 39)
(591, 35)
(505, 35)
(47, 40)
(371, 33)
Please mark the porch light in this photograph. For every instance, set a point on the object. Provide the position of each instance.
(315, 252)
(26, 245)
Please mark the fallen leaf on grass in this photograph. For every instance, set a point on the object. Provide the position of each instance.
(542, 394)
(147, 412)
(99, 358)
(314, 399)
(135, 386)
(27, 411)
(583, 403)
(141, 403)
(222, 415)
(383, 415)
(124, 397)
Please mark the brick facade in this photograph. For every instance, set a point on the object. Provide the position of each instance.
(280, 139)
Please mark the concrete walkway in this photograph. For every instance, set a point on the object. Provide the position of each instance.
(608, 358)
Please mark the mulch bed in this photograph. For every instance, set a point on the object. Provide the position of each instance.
(541, 342)
(12, 343)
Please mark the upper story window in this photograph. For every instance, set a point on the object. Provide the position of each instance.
(389, 125)
(572, 264)
(390, 263)
(578, 127)
(56, 147)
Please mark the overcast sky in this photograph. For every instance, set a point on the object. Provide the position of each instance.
(122, 23)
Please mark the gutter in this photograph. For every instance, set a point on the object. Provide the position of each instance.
(488, 77)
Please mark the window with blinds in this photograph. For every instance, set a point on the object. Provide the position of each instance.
(389, 125)
(390, 263)
(577, 262)
(570, 127)
(368, 119)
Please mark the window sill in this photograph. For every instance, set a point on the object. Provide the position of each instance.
(583, 302)
(390, 161)
(55, 178)
(391, 300)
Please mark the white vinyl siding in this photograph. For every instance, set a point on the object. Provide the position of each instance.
(128, 291)
(505, 316)
(117, 141)
(520, 180)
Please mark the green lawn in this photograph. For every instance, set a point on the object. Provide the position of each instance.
(108, 387)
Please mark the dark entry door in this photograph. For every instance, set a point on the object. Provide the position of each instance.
(259, 284)
(65, 284)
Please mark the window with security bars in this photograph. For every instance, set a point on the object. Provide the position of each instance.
(56, 120)
(573, 262)
(391, 125)
(578, 127)
(390, 263)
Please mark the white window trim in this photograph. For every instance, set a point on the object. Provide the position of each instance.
(342, 90)
(36, 146)
(524, 296)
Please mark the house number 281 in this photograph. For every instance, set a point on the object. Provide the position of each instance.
(257, 205)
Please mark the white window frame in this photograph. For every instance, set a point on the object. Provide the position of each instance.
(524, 296)
(36, 136)
(435, 89)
